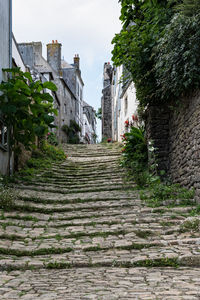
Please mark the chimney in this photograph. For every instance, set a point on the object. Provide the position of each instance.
(54, 55)
(77, 61)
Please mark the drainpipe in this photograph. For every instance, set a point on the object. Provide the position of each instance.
(10, 155)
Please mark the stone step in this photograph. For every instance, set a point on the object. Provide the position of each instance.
(103, 283)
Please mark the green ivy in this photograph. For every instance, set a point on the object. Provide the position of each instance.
(177, 58)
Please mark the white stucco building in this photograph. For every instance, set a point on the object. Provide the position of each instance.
(124, 103)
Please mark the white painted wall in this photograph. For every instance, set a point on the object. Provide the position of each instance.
(4, 36)
(124, 105)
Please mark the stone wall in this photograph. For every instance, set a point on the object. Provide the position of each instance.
(176, 135)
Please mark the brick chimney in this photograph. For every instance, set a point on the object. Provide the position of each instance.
(77, 61)
(54, 55)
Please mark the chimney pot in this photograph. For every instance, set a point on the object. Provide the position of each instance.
(54, 55)
(77, 61)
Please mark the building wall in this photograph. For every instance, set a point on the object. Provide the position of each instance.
(124, 104)
(128, 108)
(4, 35)
(5, 52)
(176, 133)
(106, 102)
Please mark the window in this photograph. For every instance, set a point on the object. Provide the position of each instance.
(3, 136)
(65, 108)
(81, 94)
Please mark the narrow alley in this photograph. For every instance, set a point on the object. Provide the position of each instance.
(80, 232)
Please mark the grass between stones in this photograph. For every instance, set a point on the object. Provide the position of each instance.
(74, 191)
(148, 263)
(28, 208)
(38, 252)
(72, 201)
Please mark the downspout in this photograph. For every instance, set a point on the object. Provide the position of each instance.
(10, 155)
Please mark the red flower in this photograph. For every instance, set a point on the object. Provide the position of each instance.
(136, 118)
(133, 117)
(109, 140)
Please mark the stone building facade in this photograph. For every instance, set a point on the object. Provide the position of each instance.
(89, 124)
(106, 102)
(119, 103)
(66, 100)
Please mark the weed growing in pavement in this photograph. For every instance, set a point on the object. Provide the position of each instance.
(190, 225)
(159, 193)
(143, 233)
(7, 198)
(41, 159)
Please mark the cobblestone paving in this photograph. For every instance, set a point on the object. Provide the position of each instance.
(80, 232)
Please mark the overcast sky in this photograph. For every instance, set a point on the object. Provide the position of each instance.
(84, 27)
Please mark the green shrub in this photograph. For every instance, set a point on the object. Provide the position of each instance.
(160, 192)
(7, 198)
(53, 153)
(72, 132)
(52, 139)
(135, 155)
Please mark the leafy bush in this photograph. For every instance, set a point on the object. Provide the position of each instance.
(52, 139)
(26, 108)
(160, 192)
(159, 45)
(178, 58)
(189, 8)
(72, 132)
(7, 198)
(53, 153)
(40, 160)
(135, 155)
(143, 25)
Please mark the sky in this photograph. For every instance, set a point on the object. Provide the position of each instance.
(84, 27)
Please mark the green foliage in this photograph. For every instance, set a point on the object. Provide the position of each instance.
(7, 198)
(135, 155)
(160, 48)
(52, 139)
(190, 225)
(99, 113)
(189, 8)
(72, 132)
(26, 108)
(133, 46)
(178, 58)
(40, 160)
(160, 192)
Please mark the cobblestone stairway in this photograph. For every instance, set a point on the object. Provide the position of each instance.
(79, 232)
